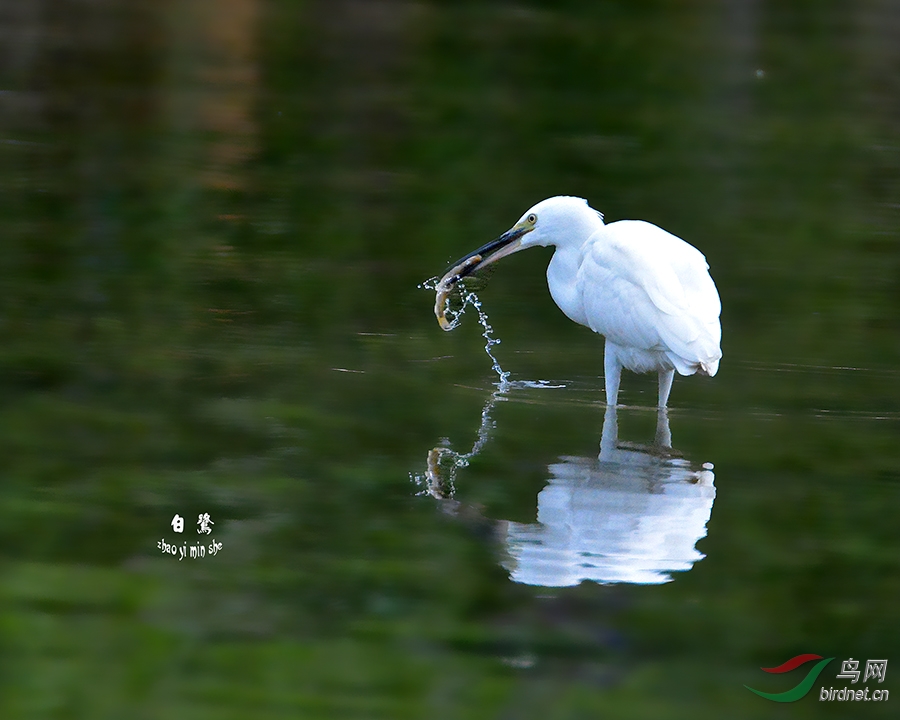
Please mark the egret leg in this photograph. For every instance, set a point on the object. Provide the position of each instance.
(612, 373)
(663, 433)
(609, 437)
(665, 386)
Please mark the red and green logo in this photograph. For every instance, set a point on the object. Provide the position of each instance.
(801, 688)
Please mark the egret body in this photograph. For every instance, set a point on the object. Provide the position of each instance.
(646, 291)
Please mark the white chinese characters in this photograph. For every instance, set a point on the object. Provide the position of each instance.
(204, 522)
(849, 670)
(875, 669)
(198, 549)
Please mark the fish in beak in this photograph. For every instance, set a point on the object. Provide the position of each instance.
(508, 243)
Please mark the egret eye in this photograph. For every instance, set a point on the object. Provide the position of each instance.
(532, 219)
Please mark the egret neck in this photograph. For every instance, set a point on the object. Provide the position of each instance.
(561, 275)
(570, 239)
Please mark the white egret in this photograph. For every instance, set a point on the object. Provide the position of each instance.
(646, 291)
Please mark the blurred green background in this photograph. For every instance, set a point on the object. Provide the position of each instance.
(214, 215)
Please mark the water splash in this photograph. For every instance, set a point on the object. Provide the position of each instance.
(443, 462)
(470, 299)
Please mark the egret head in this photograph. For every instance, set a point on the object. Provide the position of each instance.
(557, 221)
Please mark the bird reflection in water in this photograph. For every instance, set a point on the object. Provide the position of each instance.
(632, 515)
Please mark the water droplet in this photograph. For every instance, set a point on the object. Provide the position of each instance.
(470, 299)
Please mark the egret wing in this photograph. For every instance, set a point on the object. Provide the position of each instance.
(645, 288)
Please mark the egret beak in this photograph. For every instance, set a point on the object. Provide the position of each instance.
(508, 243)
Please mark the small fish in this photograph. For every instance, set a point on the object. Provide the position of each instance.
(446, 285)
